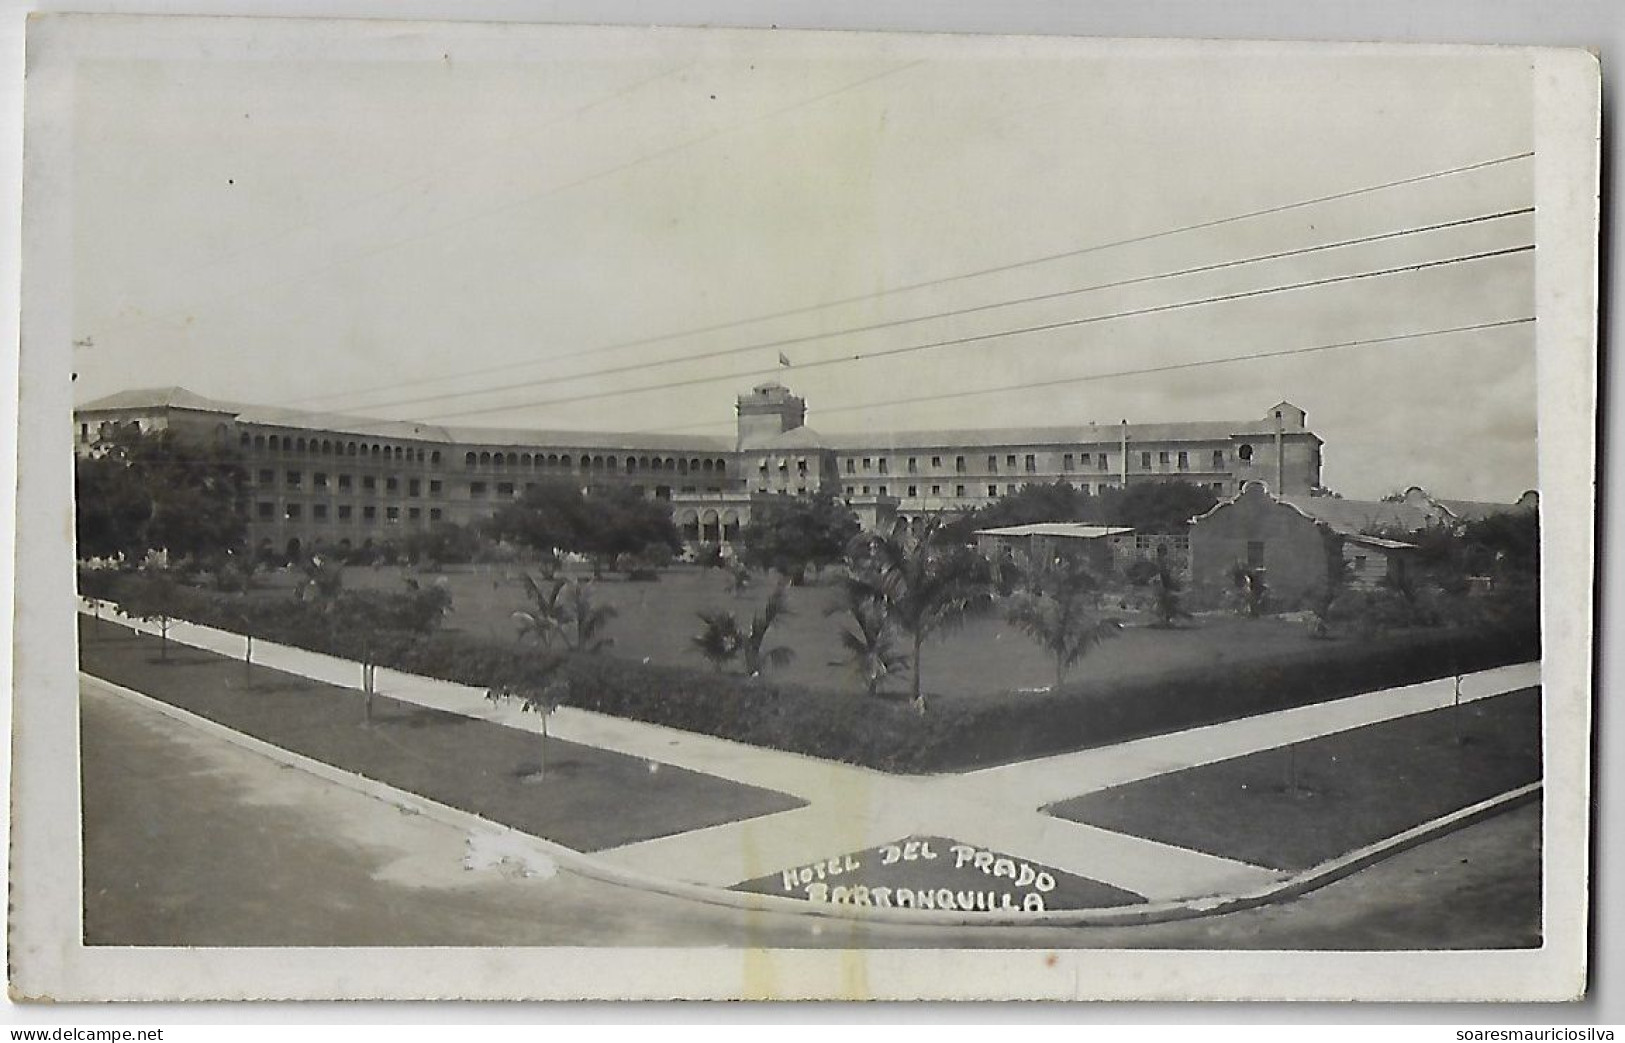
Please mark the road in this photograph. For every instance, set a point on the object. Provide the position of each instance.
(190, 840)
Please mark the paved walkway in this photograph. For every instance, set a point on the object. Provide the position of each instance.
(850, 808)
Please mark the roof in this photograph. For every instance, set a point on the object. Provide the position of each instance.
(1352, 517)
(1378, 541)
(1348, 518)
(157, 398)
(1074, 434)
(376, 427)
(1477, 510)
(796, 438)
(1067, 530)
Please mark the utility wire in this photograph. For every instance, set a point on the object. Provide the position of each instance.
(1080, 251)
(783, 342)
(1146, 370)
(980, 337)
(996, 269)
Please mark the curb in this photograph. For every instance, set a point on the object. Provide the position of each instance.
(595, 868)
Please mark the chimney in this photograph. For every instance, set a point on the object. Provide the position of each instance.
(1280, 456)
(1124, 458)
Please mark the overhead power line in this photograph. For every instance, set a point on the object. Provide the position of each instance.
(783, 342)
(982, 337)
(1146, 370)
(992, 270)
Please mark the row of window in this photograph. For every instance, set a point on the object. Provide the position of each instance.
(529, 461)
(566, 462)
(344, 512)
(328, 447)
(344, 482)
(960, 491)
(1029, 461)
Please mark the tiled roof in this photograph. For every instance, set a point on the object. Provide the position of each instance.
(1351, 517)
(795, 438)
(157, 398)
(1077, 434)
(374, 427)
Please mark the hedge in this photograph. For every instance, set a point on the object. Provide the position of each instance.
(890, 734)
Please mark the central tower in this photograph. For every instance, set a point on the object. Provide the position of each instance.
(767, 412)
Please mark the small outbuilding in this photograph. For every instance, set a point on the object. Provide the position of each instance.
(1294, 541)
(1087, 545)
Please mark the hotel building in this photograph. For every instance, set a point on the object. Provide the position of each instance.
(320, 479)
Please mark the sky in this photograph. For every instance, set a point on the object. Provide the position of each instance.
(523, 226)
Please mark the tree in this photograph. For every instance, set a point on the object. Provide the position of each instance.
(753, 644)
(739, 578)
(793, 534)
(1157, 507)
(319, 593)
(718, 641)
(154, 490)
(542, 701)
(446, 543)
(1166, 601)
(373, 625)
(547, 519)
(604, 526)
(622, 522)
(359, 623)
(545, 619)
(1033, 503)
(1061, 620)
(152, 596)
(722, 640)
(1507, 544)
(871, 639)
(929, 583)
(583, 620)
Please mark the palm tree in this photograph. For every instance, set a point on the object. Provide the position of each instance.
(928, 583)
(719, 641)
(757, 658)
(871, 640)
(1165, 588)
(1062, 623)
(723, 640)
(546, 619)
(583, 621)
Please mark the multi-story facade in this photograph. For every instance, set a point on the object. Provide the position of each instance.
(321, 479)
(928, 472)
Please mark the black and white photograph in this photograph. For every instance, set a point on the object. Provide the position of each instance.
(815, 515)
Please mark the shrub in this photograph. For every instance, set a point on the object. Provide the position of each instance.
(889, 734)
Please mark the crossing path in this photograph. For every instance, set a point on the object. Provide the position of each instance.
(850, 808)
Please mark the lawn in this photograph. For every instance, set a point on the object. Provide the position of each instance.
(1295, 807)
(588, 799)
(656, 621)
